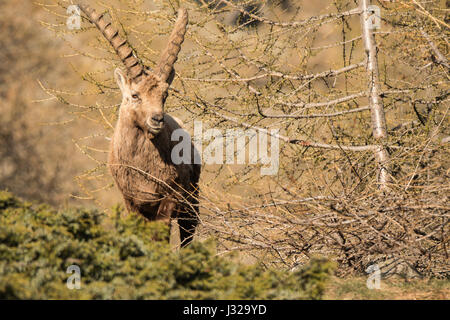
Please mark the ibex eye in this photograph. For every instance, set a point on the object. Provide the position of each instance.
(135, 96)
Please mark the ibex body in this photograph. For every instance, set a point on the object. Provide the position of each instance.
(140, 152)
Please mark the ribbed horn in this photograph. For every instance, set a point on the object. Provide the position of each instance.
(170, 54)
(134, 67)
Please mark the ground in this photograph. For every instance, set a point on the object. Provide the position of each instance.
(352, 288)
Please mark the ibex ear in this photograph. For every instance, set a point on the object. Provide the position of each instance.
(122, 80)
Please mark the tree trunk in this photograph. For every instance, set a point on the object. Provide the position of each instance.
(375, 102)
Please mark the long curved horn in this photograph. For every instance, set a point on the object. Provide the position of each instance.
(170, 54)
(124, 51)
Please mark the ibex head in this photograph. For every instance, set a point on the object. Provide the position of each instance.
(143, 91)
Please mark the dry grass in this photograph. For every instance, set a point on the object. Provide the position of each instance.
(391, 289)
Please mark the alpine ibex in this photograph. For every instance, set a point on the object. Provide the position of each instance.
(140, 151)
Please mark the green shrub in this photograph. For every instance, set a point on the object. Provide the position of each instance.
(127, 259)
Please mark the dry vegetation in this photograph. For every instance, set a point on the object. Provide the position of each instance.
(391, 289)
(348, 188)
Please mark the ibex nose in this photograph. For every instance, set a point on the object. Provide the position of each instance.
(158, 118)
(155, 123)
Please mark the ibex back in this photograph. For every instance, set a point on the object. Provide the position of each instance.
(140, 152)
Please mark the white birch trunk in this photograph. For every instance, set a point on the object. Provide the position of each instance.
(375, 102)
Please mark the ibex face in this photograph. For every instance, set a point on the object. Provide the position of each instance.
(143, 101)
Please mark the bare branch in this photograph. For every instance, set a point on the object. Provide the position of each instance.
(440, 58)
(310, 116)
